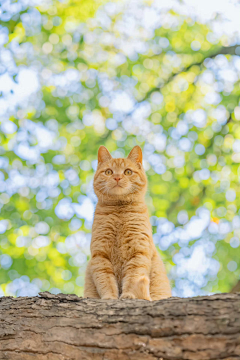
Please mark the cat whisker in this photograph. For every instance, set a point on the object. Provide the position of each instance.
(102, 188)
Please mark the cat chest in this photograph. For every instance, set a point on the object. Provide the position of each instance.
(120, 236)
(114, 235)
(129, 238)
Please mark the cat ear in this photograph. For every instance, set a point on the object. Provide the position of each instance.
(103, 154)
(136, 154)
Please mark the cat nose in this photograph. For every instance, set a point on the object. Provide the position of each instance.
(117, 178)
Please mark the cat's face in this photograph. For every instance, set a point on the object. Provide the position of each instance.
(120, 178)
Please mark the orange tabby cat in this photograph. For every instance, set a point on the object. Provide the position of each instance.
(124, 262)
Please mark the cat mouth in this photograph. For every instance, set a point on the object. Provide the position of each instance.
(117, 186)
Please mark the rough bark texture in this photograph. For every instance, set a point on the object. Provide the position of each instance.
(64, 327)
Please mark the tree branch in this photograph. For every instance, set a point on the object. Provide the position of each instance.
(229, 50)
(66, 327)
(236, 288)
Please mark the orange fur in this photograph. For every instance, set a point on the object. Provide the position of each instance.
(124, 261)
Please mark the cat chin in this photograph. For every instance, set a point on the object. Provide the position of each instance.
(118, 191)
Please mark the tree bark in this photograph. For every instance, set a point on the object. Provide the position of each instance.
(64, 327)
(236, 288)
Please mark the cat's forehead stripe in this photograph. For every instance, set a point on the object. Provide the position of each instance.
(118, 163)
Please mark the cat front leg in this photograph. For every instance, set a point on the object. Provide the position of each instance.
(103, 277)
(136, 283)
(159, 284)
(90, 290)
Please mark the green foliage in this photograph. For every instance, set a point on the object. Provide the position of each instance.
(171, 89)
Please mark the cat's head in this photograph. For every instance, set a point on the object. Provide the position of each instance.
(121, 179)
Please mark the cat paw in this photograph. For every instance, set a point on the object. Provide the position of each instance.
(109, 297)
(127, 296)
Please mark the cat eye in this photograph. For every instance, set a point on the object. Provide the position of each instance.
(108, 172)
(128, 172)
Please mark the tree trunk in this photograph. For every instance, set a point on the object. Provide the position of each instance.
(64, 327)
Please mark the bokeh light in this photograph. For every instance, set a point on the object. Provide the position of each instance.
(75, 75)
